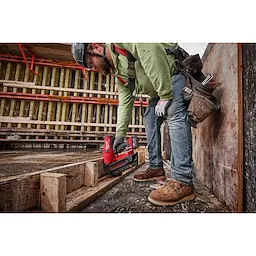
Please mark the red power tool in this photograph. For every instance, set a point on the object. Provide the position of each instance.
(116, 163)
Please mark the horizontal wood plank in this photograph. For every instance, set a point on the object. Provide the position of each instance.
(80, 198)
(26, 120)
(31, 85)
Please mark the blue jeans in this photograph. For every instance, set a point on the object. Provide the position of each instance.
(180, 134)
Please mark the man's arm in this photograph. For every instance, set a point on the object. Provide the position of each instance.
(124, 111)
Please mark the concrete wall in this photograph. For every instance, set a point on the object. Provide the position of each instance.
(215, 141)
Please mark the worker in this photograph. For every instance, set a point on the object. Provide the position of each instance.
(152, 70)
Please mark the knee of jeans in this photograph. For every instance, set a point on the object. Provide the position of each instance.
(150, 128)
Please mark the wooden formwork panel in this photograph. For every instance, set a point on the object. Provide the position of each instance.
(215, 141)
(63, 188)
(21, 192)
(60, 100)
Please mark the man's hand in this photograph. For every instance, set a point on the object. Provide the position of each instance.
(162, 106)
(119, 145)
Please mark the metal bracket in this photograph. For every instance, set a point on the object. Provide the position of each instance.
(24, 57)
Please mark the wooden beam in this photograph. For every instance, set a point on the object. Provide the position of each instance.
(53, 192)
(26, 120)
(74, 116)
(32, 109)
(13, 101)
(7, 76)
(91, 177)
(41, 116)
(51, 105)
(240, 154)
(61, 132)
(141, 155)
(22, 192)
(80, 198)
(23, 102)
(59, 104)
(64, 111)
(33, 86)
(18, 83)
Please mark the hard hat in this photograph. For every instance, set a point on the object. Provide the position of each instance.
(79, 52)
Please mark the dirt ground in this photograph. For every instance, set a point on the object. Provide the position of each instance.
(129, 196)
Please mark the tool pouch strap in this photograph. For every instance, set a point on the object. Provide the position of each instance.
(131, 72)
(179, 56)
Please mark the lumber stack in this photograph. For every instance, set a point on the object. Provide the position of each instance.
(60, 105)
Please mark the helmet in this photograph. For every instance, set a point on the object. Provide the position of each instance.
(79, 52)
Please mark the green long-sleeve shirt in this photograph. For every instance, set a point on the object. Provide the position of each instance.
(154, 69)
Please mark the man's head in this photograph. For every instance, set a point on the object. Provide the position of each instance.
(92, 56)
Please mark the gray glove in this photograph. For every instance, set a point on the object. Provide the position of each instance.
(162, 106)
(119, 144)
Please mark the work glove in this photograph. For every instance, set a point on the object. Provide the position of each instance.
(119, 144)
(162, 106)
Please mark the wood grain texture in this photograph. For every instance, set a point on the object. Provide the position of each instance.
(53, 51)
(21, 192)
(91, 176)
(53, 192)
(85, 195)
(215, 141)
(141, 155)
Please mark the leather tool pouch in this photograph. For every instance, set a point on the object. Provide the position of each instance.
(201, 101)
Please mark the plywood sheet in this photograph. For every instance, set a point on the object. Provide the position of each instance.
(215, 141)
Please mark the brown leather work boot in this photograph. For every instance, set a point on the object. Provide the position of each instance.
(172, 193)
(150, 174)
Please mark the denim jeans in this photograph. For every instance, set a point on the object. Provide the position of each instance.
(180, 134)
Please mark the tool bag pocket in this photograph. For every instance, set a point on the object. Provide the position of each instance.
(201, 107)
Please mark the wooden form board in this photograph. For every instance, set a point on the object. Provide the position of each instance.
(60, 99)
(215, 141)
(53, 192)
(80, 198)
(92, 189)
(53, 51)
(77, 183)
(21, 192)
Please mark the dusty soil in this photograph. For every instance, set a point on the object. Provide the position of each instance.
(129, 196)
(23, 161)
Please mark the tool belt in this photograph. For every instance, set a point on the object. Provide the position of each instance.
(197, 91)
